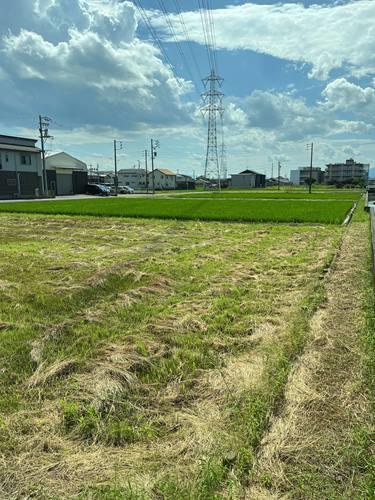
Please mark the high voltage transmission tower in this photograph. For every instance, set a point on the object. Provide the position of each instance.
(212, 96)
(212, 99)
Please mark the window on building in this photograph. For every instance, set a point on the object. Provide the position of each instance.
(25, 160)
(7, 157)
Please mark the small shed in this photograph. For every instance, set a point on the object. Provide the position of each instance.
(248, 179)
(66, 174)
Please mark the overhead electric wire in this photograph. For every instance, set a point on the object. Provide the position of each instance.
(205, 34)
(176, 41)
(155, 37)
(212, 32)
(187, 37)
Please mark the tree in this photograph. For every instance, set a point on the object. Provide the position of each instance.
(307, 181)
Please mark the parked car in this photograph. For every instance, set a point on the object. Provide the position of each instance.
(111, 187)
(125, 190)
(98, 190)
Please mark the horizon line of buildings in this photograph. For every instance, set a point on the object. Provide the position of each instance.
(335, 173)
(22, 174)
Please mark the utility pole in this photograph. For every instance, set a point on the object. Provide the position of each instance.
(44, 122)
(117, 145)
(278, 175)
(154, 146)
(212, 105)
(311, 148)
(272, 170)
(223, 154)
(146, 170)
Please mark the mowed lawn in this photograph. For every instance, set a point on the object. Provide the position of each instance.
(142, 358)
(296, 211)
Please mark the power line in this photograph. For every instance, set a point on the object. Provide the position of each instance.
(187, 37)
(178, 44)
(213, 34)
(205, 34)
(155, 37)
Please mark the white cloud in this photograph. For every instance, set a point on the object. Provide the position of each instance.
(324, 36)
(85, 65)
(343, 95)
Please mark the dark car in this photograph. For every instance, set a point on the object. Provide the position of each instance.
(97, 190)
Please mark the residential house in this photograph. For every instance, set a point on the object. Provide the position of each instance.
(184, 182)
(20, 167)
(162, 178)
(133, 177)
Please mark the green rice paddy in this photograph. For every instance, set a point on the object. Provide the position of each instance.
(245, 210)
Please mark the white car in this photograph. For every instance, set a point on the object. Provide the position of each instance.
(125, 190)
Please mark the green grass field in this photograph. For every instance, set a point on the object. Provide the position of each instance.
(143, 359)
(299, 211)
(267, 194)
(138, 336)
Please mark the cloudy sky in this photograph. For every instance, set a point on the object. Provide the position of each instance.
(293, 73)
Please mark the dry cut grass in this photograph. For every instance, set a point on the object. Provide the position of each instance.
(148, 354)
(320, 446)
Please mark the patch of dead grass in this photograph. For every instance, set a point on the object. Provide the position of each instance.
(322, 402)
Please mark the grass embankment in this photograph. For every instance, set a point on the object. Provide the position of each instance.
(282, 195)
(147, 352)
(326, 212)
(321, 444)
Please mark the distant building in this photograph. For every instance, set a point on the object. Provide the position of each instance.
(203, 182)
(337, 173)
(66, 174)
(276, 181)
(295, 177)
(133, 177)
(184, 182)
(299, 177)
(248, 179)
(163, 179)
(20, 167)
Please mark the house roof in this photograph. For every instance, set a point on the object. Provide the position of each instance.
(165, 171)
(14, 147)
(80, 165)
(132, 171)
(248, 172)
(13, 140)
(184, 177)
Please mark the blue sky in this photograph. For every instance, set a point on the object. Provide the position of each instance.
(293, 73)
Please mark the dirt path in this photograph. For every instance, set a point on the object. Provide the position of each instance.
(319, 444)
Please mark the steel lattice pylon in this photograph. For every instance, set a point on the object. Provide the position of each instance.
(212, 99)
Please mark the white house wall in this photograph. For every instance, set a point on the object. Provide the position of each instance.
(14, 161)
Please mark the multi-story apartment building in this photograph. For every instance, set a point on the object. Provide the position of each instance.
(345, 172)
(300, 176)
